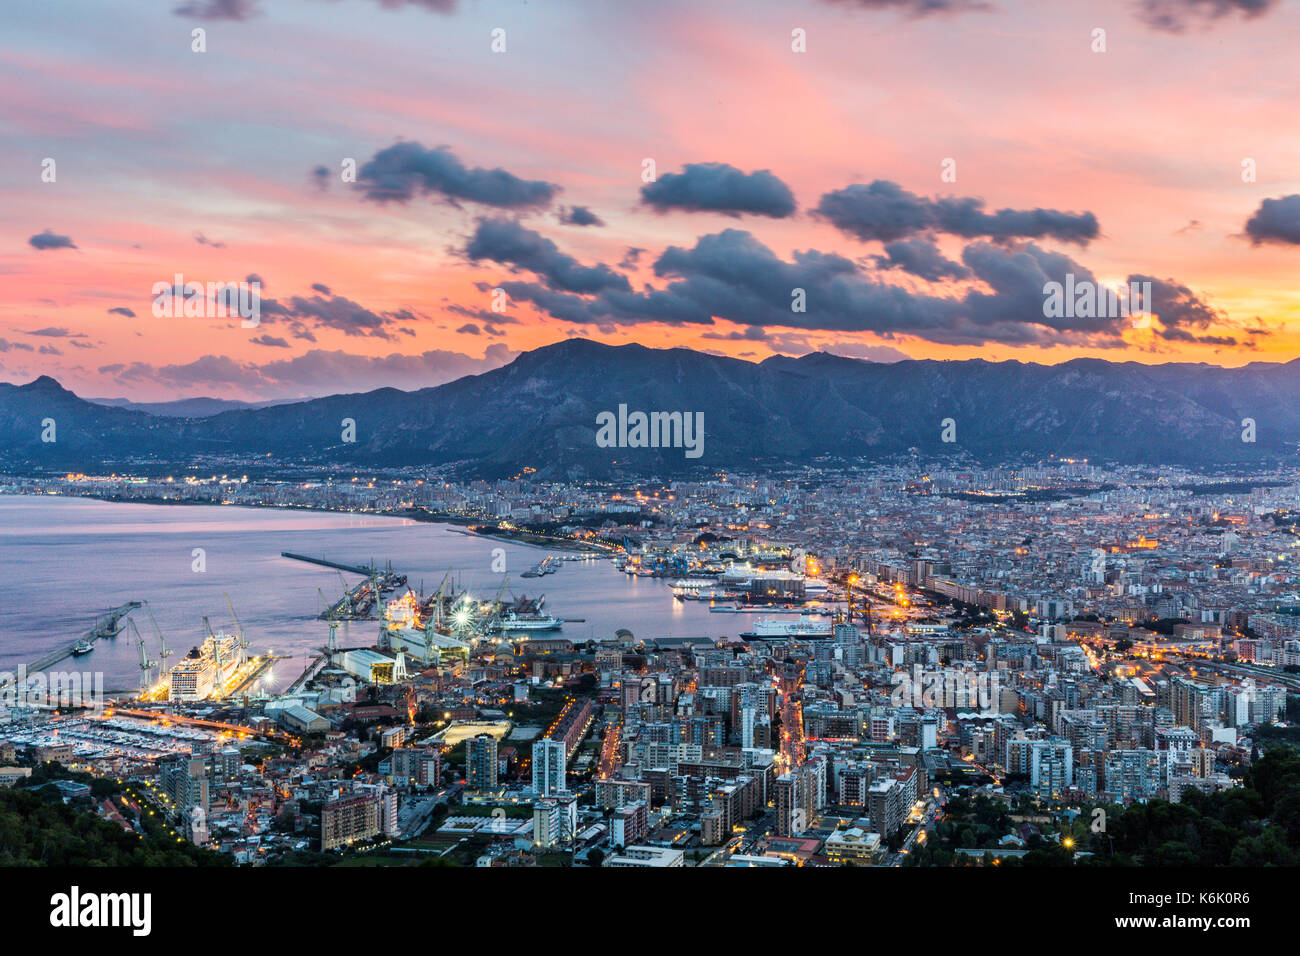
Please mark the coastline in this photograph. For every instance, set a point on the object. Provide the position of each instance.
(461, 524)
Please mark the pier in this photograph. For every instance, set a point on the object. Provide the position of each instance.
(322, 562)
(107, 626)
(358, 600)
(314, 668)
(256, 667)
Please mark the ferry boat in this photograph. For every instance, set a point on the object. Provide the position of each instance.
(808, 627)
(206, 668)
(534, 621)
(82, 647)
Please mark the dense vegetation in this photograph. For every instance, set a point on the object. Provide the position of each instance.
(1257, 824)
(38, 829)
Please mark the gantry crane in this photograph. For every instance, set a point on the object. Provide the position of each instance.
(145, 664)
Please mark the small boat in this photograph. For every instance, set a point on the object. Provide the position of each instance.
(82, 647)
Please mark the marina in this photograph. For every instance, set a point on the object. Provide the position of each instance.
(548, 565)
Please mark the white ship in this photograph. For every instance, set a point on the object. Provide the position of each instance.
(206, 668)
(809, 627)
(527, 622)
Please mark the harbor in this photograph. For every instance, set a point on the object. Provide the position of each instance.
(282, 597)
(108, 626)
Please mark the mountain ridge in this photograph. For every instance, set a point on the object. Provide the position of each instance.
(539, 412)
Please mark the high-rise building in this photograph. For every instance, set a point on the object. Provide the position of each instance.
(481, 762)
(630, 824)
(184, 779)
(548, 767)
(348, 819)
(1051, 767)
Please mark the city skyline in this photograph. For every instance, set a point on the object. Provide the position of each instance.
(836, 148)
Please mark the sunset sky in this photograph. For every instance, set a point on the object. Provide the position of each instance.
(523, 170)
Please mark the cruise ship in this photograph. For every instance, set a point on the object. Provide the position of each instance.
(808, 627)
(206, 668)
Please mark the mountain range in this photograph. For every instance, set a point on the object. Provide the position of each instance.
(186, 407)
(540, 412)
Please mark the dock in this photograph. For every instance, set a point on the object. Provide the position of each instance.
(322, 562)
(106, 626)
(260, 665)
(314, 668)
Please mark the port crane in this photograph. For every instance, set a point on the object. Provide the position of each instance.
(497, 607)
(347, 593)
(163, 653)
(849, 583)
(216, 648)
(239, 628)
(437, 601)
(145, 664)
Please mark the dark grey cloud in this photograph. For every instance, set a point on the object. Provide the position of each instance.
(751, 333)
(55, 332)
(1177, 306)
(885, 211)
(507, 242)
(580, 216)
(406, 170)
(720, 187)
(966, 218)
(732, 276)
(270, 341)
(917, 8)
(1014, 311)
(332, 312)
(203, 240)
(218, 9)
(247, 9)
(437, 6)
(317, 372)
(469, 328)
(1182, 335)
(921, 258)
(7, 346)
(50, 240)
(303, 314)
(122, 310)
(1276, 220)
(1175, 16)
